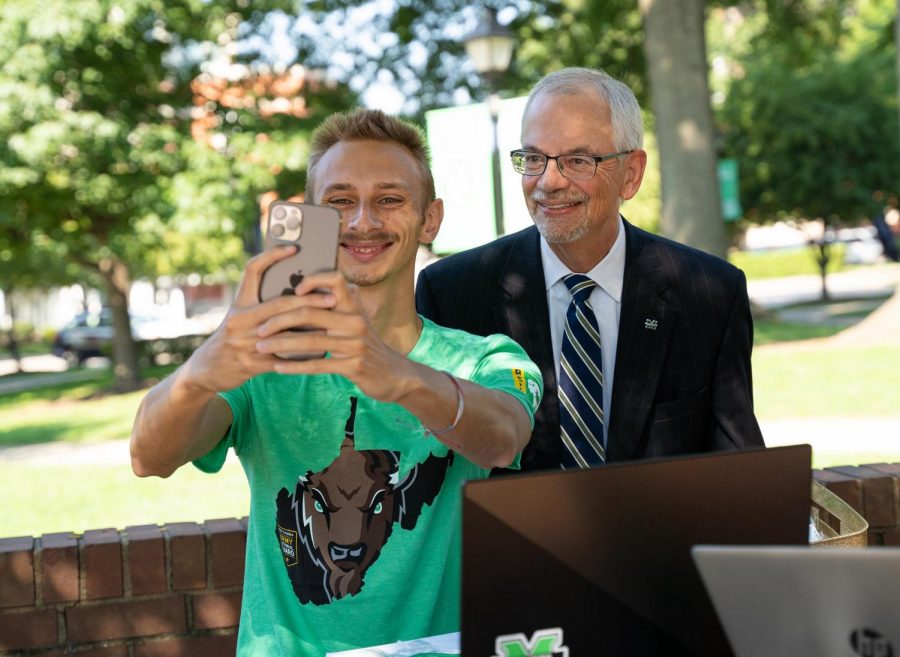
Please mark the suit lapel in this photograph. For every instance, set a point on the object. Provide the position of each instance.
(645, 326)
(521, 311)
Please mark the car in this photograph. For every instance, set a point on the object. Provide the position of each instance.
(90, 334)
(87, 335)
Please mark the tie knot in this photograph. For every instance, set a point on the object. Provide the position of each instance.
(580, 286)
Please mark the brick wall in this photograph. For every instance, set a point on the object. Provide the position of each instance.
(146, 591)
(874, 491)
(175, 590)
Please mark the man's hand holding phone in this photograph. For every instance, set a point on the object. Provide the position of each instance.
(314, 230)
(230, 355)
(344, 331)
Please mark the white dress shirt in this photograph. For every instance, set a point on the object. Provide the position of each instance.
(606, 299)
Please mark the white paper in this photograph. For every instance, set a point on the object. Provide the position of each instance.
(443, 643)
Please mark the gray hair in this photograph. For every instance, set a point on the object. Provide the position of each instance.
(627, 121)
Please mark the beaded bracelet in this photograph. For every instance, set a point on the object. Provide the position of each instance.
(460, 407)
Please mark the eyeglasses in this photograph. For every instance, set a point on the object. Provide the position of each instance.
(574, 167)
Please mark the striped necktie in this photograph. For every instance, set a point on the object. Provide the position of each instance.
(581, 381)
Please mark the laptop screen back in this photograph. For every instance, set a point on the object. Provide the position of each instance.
(777, 601)
(598, 561)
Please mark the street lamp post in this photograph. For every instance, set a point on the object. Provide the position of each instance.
(490, 48)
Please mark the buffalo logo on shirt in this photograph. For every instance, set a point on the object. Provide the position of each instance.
(332, 528)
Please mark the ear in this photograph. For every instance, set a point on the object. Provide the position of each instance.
(635, 163)
(434, 215)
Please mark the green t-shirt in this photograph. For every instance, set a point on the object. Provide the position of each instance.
(355, 514)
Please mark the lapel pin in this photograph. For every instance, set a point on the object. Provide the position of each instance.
(651, 324)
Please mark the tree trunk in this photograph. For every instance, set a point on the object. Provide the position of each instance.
(822, 253)
(897, 58)
(125, 354)
(13, 343)
(675, 48)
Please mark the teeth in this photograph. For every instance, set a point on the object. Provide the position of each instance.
(365, 249)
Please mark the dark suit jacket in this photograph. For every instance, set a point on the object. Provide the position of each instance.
(682, 381)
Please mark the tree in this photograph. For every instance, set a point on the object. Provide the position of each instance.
(26, 265)
(677, 67)
(811, 141)
(96, 151)
(809, 134)
(416, 45)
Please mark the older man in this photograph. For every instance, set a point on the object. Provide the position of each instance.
(644, 343)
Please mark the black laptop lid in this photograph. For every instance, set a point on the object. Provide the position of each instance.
(598, 561)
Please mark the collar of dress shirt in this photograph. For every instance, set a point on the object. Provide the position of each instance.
(609, 273)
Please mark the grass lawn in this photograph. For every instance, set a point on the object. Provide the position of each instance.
(846, 381)
(830, 459)
(771, 331)
(778, 263)
(851, 381)
(79, 409)
(107, 418)
(41, 499)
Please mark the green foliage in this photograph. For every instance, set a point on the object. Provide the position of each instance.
(95, 121)
(116, 163)
(417, 45)
(814, 128)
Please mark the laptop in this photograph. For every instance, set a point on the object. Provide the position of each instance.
(598, 562)
(805, 602)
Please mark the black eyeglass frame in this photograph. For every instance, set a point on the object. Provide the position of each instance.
(597, 160)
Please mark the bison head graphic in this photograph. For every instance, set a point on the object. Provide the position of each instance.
(332, 528)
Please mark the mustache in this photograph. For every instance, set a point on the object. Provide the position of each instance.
(542, 197)
(352, 238)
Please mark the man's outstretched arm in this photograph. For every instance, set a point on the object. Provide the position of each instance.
(183, 417)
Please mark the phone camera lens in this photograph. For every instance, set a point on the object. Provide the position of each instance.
(279, 212)
(293, 223)
(278, 230)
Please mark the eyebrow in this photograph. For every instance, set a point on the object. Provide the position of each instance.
(578, 150)
(345, 187)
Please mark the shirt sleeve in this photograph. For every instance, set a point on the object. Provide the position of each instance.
(238, 400)
(506, 367)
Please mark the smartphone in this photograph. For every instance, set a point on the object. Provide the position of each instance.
(315, 230)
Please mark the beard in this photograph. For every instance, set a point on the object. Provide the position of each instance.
(364, 279)
(557, 231)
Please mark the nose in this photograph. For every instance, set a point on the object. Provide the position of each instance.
(347, 555)
(363, 219)
(552, 178)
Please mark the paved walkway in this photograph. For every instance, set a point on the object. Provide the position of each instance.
(107, 453)
(44, 370)
(871, 281)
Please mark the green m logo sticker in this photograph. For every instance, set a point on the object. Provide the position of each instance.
(543, 643)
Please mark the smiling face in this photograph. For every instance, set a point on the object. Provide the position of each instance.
(378, 188)
(571, 211)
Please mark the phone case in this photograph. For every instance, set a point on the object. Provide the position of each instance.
(315, 229)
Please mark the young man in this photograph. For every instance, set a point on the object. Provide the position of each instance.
(644, 343)
(355, 461)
